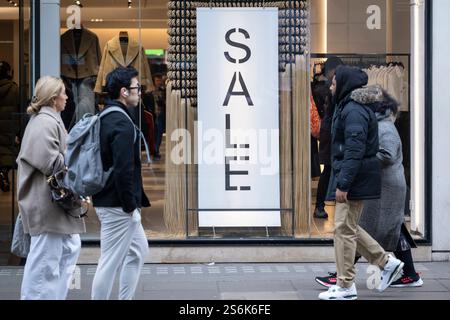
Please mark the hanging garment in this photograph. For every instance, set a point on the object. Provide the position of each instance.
(80, 54)
(113, 57)
(315, 119)
(393, 80)
(148, 118)
(81, 100)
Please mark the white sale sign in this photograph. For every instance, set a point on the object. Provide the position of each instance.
(238, 128)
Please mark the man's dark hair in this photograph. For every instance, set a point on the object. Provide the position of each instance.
(388, 103)
(119, 78)
(331, 64)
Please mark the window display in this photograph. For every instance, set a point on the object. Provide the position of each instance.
(159, 39)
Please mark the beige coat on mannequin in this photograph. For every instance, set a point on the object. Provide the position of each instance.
(113, 57)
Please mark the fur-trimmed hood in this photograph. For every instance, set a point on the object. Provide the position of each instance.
(367, 95)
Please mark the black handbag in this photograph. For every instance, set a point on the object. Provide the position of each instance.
(74, 205)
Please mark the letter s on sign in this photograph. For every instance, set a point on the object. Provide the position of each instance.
(239, 45)
(74, 19)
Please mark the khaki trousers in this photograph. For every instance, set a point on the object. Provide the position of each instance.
(349, 238)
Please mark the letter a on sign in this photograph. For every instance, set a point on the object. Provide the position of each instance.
(374, 20)
(74, 20)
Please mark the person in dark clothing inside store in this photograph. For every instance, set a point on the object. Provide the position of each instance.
(159, 113)
(9, 109)
(384, 218)
(322, 96)
(355, 177)
(118, 206)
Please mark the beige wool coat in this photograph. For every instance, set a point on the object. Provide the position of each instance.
(113, 57)
(42, 151)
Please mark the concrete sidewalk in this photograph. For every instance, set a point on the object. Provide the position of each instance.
(277, 281)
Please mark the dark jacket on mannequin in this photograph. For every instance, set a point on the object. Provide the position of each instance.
(124, 187)
(354, 144)
(81, 62)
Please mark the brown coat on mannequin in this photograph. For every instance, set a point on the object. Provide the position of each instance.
(113, 57)
(87, 62)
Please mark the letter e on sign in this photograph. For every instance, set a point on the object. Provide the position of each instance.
(374, 19)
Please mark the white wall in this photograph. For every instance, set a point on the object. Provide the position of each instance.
(441, 128)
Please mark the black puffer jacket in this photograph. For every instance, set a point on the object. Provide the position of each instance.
(355, 168)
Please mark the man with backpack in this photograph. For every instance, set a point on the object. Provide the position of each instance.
(118, 205)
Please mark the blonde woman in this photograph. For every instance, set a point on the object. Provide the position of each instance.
(55, 239)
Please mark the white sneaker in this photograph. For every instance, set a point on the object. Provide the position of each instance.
(337, 293)
(391, 272)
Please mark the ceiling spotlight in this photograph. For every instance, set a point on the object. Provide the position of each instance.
(15, 4)
(129, 4)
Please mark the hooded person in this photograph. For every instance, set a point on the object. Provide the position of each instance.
(355, 127)
(383, 218)
(355, 177)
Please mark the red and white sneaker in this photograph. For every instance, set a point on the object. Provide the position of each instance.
(329, 281)
(406, 281)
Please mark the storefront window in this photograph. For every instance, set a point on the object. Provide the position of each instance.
(14, 95)
(374, 35)
(190, 197)
(226, 106)
(97, 37)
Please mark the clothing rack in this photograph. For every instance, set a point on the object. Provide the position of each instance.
(372, 59)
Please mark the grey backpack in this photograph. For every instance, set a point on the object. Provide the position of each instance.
(85, 175)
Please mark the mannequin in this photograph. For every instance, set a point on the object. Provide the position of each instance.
(77, 33)
(80, 60)
(124, 51)
(123, 38)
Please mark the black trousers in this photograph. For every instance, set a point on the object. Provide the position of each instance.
(323, 186)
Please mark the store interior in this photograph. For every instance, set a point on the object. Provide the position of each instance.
(338, 27)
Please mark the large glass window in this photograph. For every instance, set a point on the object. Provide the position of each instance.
(15, 66)
(98, 36)
(209, 173)
(380, 37)
(367, 34)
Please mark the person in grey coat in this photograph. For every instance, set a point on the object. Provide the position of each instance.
(55, 240)
(383, 218)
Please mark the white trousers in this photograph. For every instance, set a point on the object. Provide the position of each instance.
(50, 265)
(123, 245)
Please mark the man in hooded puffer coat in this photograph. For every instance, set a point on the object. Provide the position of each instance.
(356, 176)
